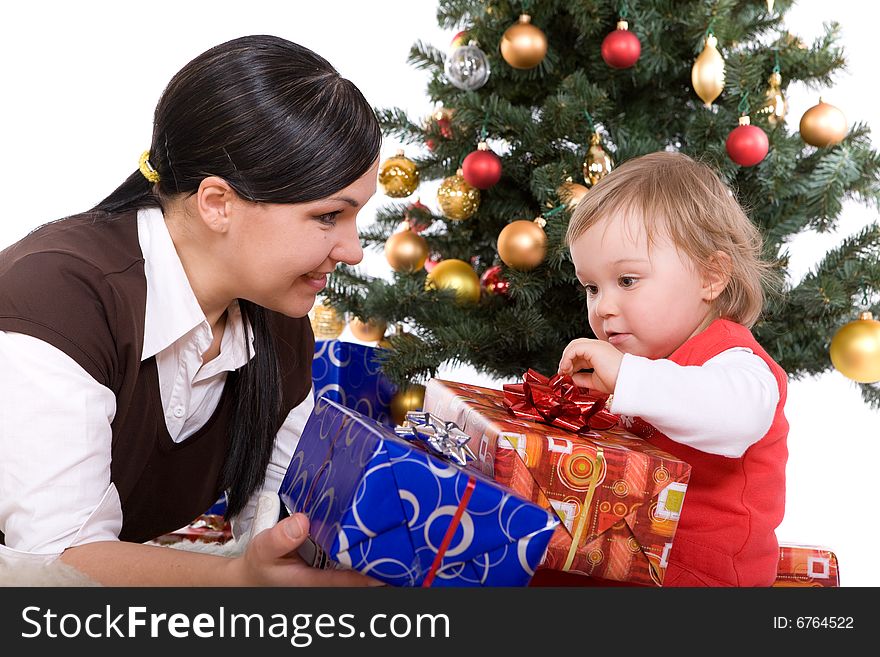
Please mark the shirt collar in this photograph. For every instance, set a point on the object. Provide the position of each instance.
(172, 308)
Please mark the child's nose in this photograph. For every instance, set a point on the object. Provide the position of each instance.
(606, 305)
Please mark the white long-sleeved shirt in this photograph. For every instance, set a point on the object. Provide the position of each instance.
(721, 407)
(55, 491)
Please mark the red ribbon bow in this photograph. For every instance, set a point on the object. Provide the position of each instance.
(558, 401)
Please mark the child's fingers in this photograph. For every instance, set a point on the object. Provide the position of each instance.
(575, 357)
(583, 379)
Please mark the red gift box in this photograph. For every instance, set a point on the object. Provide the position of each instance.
(805, 565)
(207, 528)
(619, 497)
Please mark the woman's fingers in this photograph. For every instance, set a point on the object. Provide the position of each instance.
(273, 553)
(279, 541)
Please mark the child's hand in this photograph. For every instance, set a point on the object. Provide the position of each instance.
(603, 358)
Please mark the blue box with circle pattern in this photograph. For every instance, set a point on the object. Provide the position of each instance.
(350, 373)
(384, 506)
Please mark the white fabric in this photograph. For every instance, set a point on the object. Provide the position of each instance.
(177, 334)
(54, 448)
(721, 407)
(55, 436)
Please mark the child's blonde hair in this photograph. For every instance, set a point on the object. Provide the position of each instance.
(670, 192)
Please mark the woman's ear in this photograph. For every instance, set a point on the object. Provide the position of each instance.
(717, 276)
(214, 200)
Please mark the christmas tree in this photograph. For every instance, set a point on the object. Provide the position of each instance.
(561, 96)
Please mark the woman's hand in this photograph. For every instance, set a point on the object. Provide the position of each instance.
(603, 358)
(270, 559)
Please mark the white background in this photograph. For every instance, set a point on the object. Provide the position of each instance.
(80, 81)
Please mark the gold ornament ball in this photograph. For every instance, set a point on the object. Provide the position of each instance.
(326, 323)
(457, 199)
(855, 349)
(369, 331)
(823, 125)
(522, 245)
(598, 163)
(571, 194)
(455, 275)
(707, 73)
(411, 398)
(398, 176)
(523, 45)
(406, 251)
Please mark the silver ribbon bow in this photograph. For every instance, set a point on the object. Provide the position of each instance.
(442, 438)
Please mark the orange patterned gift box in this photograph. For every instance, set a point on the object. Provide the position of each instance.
(803, 565)
(618, 497)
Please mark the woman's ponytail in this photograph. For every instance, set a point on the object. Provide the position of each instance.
(136, 192)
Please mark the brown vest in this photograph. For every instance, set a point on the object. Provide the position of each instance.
(79, 285)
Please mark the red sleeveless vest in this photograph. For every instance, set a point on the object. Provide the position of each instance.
(726, 535)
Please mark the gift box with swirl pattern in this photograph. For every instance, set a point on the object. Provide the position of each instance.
(350, 373)
(384, 506)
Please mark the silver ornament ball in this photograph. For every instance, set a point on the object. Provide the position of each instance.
(467, 68)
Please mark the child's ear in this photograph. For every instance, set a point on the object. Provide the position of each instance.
(717, 276)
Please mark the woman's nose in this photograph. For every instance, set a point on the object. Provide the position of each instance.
(349, 249)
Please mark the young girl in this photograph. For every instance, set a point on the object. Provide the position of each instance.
(673, 278)
(155, 350)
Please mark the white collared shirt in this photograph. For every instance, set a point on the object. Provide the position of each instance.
(55, 434)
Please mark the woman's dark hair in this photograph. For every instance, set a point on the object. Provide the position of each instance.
(280, 125)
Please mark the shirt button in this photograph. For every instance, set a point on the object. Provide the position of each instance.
(178, 412)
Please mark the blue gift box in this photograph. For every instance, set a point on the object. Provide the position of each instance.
(350, 374)
(219, 507)
(387, 508)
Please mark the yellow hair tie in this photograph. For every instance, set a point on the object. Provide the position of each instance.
(147, 169)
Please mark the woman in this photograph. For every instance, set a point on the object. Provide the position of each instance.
(156, 350)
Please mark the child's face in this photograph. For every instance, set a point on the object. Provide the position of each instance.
(646, 302)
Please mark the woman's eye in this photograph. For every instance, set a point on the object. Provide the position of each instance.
(328, 218)
(627, 281)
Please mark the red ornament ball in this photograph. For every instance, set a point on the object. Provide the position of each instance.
(432, 261)
(458, 39)
(493, 282)
(481, 168)
(444, 122)
(621, 48)
(418, 215)
(442, 119)
(747, 144)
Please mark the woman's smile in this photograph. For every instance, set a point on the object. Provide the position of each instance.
(316, 280)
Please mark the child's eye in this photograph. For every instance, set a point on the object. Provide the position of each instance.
(591, 289)
(328, 218)
(627, 281)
